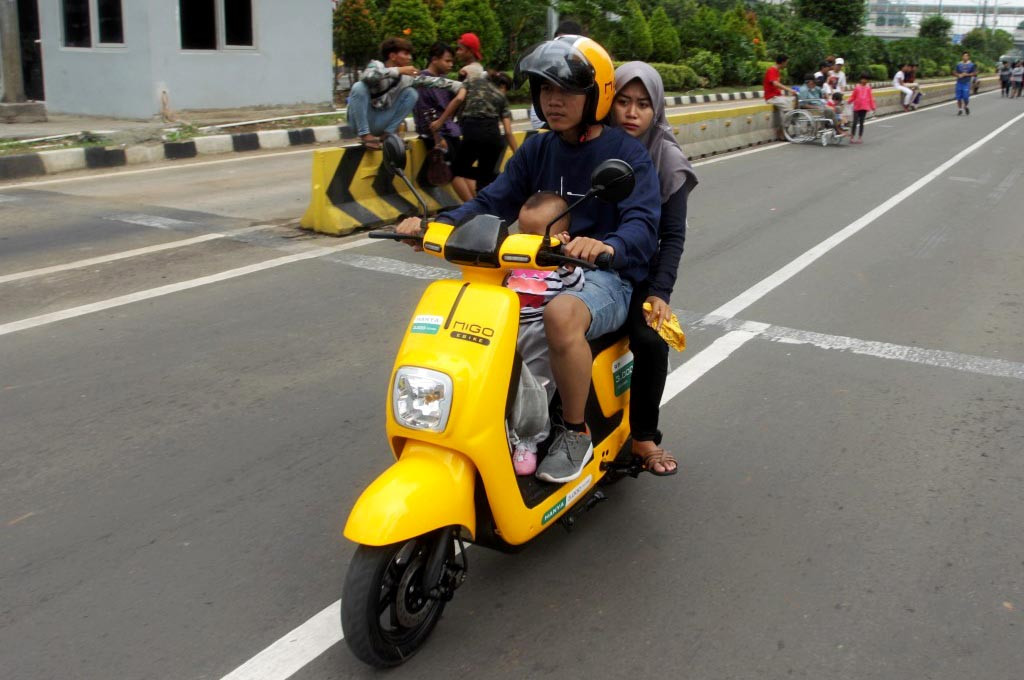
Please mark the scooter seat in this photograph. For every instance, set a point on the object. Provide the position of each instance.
(603, 342)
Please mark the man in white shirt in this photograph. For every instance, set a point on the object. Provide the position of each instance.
(897, 82)
(837, 70)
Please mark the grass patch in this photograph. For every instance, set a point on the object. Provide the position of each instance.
(183, 132)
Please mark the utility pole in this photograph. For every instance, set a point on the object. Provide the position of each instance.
(10, 52)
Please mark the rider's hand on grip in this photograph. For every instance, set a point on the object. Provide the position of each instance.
(413, 226)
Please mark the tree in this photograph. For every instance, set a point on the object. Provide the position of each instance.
(523, 23)
(471, 16)
(987, 43)
(935, 27)
(845, 17)
(633, 37)
(664, 39)
(356, 39)
(411, 19)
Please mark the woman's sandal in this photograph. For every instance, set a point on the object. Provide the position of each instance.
(658, 456)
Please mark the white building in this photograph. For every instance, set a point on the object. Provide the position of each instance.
(132, 58)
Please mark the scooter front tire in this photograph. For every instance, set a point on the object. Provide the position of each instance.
(385, 616)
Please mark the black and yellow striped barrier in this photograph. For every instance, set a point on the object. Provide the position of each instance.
(352, 190)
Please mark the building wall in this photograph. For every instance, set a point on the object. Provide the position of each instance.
(290, 63)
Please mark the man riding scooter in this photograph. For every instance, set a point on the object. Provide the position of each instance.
(572, 83)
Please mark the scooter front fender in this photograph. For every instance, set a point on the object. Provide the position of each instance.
(429, 487)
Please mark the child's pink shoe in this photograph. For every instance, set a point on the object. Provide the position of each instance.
(524, 458)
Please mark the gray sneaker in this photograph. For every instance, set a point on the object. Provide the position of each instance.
(567, 456)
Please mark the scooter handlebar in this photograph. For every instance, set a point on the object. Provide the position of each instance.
(394, 235)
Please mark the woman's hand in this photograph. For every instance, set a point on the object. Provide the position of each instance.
(586, 248)
(659, 314)
(411, 227)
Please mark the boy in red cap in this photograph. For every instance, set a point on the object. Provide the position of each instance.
(468, 53)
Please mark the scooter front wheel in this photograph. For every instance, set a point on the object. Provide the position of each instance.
(385, 614)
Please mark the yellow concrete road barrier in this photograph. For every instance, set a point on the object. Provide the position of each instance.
(352, 190)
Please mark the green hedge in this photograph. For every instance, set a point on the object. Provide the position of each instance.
(878, 72)
(675, 77)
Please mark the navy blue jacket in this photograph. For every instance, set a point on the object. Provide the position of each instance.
(545, 162)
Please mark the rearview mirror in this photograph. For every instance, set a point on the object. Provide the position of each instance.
(393, 147)
(612, 180)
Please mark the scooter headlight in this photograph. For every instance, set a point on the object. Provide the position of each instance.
(421, 398)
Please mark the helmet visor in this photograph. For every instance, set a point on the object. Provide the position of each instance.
(557, 62)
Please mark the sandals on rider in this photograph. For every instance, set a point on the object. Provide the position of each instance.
(649, 459)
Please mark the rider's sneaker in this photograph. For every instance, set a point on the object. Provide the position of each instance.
(524, 458)
(967, 110)
(567, 456)
(959, 112)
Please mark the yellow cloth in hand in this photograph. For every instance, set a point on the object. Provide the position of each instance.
(670, 331)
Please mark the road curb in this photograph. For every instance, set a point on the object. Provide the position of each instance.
(22, 166)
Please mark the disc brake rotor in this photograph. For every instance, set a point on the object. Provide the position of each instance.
(411, 604)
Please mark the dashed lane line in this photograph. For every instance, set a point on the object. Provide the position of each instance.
(82, 310)
(125, 254)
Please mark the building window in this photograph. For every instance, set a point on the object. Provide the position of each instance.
(77, 32)
(80, 16)
(110, 21)
(238, 23)
(214, 24)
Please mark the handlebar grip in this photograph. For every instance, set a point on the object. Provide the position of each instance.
(394, 235)
(604, 262)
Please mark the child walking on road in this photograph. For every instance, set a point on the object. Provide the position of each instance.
(863, 100)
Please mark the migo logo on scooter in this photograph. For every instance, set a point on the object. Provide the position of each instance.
(472, 332)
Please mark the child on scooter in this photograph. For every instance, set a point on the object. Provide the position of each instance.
(536, 288)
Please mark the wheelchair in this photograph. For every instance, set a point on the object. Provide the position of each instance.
(810, 125)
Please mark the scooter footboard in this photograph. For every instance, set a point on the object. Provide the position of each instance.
(429, 487)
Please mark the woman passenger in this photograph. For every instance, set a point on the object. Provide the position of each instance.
(639, 109)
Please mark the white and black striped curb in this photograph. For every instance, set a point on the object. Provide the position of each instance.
(64, 160)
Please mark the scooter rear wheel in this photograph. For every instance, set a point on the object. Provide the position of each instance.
(385, 615)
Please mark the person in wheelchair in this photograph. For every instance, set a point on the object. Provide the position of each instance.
(835, 104)
(810, 97)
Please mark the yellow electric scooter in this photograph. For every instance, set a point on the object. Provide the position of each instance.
(453, 388)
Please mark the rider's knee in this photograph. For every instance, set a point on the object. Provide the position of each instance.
(565, 321)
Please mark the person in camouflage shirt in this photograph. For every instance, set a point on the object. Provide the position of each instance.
(484, 112)
(386, 92)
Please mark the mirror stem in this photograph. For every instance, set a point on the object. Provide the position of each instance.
(547, 230)
(419, 199)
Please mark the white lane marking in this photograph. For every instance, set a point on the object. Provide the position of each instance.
(1004, 186)
(773, 281)
(300, 646)
(709, 357)
(294, 650)
(388, 265)
(678, 380)
(44, 319)
(9, 199)
(154, 221)
(966, 363)
(146, 171)
(124, 254)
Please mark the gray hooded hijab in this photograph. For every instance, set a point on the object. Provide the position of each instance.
(674, 170)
